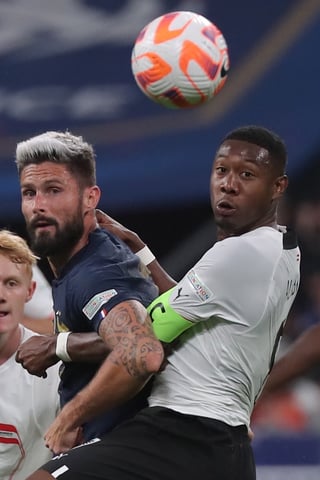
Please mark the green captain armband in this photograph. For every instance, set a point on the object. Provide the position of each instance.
(167, 324)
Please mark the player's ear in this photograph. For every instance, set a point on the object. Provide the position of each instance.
(280, 186)
(92, 196)
(31, 290)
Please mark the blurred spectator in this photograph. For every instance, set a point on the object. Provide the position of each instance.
(305, 218)
(295, 407)
(307, 309)
(307, 226)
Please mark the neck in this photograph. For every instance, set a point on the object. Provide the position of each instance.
(222, 233)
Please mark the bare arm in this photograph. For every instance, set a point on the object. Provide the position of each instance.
(135, 355)
(303, 355)
(39, 352)
(160, 277)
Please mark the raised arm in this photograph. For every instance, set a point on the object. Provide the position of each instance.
(160, 277)
(40, 351)
(135, 355)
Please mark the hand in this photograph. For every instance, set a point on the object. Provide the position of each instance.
(129, 237)
(37, 354)
(59, 438)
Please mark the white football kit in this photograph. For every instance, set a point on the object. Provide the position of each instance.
(41, 303)
(28, 405)
(238, 296)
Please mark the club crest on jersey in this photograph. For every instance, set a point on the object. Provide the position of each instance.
(96, 302)
(202, 291)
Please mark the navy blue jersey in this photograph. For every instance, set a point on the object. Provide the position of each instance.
(101, 275)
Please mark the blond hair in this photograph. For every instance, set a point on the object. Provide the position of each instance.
(16, 249)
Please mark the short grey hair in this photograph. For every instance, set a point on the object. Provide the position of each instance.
(62, 148)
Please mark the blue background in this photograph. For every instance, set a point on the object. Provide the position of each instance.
(66, 65)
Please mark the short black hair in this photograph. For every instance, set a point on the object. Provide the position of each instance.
(264, 138)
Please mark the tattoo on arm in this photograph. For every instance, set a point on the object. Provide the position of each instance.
(127, 331)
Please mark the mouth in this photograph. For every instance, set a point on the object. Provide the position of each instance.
(42, 225)
(3, 314)
(225, 208)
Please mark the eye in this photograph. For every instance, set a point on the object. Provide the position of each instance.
(12, 283)
(220, 169)
(28, 193)
(247, 174)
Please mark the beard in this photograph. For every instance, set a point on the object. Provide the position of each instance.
(47, 245)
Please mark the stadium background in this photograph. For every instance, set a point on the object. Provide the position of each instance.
(66, 65)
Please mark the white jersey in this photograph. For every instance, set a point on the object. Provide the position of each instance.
(41, 303)
(238, 296)
(28, 405)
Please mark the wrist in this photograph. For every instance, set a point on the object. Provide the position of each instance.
(134, 242)
(61, 347)
(145, 255)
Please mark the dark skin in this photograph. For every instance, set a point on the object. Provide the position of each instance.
(245, 188)
(82, 347)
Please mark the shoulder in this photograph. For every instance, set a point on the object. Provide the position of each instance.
(246, 255)
(105, 250)
(263, 241)
(100, 238)
(259, 239)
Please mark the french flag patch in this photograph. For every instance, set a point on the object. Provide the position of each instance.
(103, 313)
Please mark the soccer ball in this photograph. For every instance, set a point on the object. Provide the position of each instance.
(180, 60)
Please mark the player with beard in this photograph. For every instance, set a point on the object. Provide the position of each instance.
(98, 285)
(229, 311)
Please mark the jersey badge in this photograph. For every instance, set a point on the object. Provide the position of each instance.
(96, 302)
(201, 290)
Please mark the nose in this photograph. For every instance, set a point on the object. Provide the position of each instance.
(38, 203)
(230, 184)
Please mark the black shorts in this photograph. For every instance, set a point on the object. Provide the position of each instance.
(160, 444)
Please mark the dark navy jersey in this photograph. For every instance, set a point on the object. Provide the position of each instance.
(101, 275)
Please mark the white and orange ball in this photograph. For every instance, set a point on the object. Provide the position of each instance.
(180, 60)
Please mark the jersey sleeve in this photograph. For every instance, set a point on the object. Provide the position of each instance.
(230, 282)
(108, 288)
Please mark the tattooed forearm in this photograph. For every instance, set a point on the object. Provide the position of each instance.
(127, 331)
